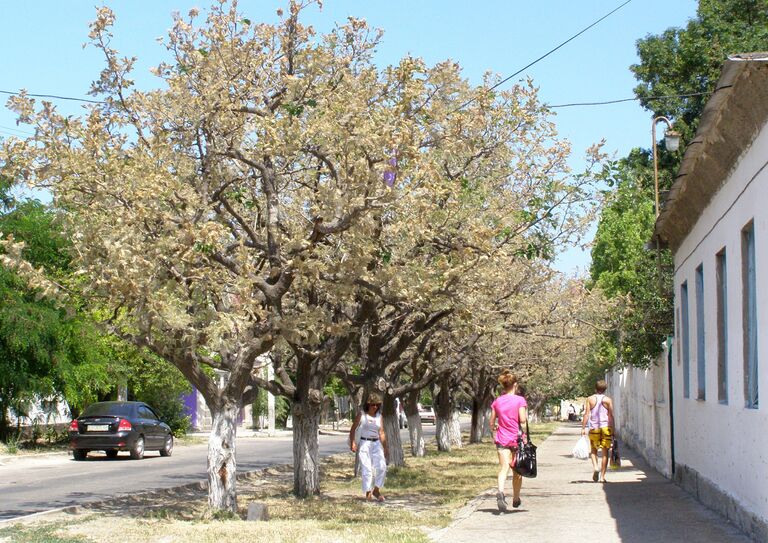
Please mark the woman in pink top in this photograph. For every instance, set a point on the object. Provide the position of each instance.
(508, 412)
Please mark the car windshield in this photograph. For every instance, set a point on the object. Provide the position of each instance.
(107, 409)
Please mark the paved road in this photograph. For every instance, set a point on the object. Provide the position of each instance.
(29, 486)
(562, 504)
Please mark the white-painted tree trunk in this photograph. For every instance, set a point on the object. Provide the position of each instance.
(222, 467)
(306, 459)
(416, 435)
(442, 433)
(454, 431)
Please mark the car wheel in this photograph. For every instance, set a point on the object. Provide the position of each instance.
(111, 453)
(167, 449)
(79, 454)
(137, 451)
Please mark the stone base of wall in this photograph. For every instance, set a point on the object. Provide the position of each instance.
(717, 499)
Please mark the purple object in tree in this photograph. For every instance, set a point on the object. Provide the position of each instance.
(390, 175)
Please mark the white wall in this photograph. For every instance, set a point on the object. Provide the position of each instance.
(726, 443)
(641, 411)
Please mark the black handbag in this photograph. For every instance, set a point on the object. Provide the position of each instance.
(525, 458)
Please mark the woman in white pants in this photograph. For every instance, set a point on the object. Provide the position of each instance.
(373, 449)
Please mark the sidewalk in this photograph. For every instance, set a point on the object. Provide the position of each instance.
(562, 504)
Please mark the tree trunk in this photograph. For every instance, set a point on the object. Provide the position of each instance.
(391, 425)
(442, 433)
(222, 467)
(415, 432)
(480, 411)
(306, 459)
(487, 423)
(4, 430)
(443, 413)
(476, 431)
(454, 429)
(476, 426)
(416, 435)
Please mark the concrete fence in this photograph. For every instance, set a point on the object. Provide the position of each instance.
(641, 409)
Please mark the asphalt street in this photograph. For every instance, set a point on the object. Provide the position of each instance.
(33, 485)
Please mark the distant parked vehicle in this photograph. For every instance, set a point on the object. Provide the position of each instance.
(426, 413)
(119, 426)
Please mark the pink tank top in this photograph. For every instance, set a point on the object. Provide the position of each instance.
(598, 415)
(507, 408)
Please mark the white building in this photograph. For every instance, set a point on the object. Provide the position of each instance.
(716, 224)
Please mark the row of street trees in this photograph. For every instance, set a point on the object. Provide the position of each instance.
(280, 195)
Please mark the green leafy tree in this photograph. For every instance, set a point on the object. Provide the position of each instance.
(688, 60)
(44, 350)
(47, 350)
(158, 383)
(683, 65)
(626, 270)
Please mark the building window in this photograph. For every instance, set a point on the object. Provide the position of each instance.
(686, 340)
(721, 278)
(701, 366)
(749, 316)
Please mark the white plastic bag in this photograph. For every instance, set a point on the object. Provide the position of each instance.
(582, 448)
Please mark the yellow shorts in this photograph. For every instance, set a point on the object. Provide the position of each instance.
(601, 438)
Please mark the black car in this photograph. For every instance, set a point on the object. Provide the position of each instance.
(119, 426)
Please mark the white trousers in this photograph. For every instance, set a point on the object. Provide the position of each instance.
(373, 465)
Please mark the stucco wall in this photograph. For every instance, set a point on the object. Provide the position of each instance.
(726, 445)
(641, 411)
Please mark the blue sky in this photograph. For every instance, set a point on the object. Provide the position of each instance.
(41, 50)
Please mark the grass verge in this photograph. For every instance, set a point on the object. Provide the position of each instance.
(421, 498)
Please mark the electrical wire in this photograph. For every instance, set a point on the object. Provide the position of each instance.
(649, 99)
(12, 129)
(545, 55)
(54, 96)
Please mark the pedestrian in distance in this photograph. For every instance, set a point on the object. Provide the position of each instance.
(508, 412)
(373, 451)
(598, 418)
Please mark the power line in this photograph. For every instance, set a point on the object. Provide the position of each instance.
(556, 106)
(54, 96)
(649, 99)
(12, 129)
(545, 55)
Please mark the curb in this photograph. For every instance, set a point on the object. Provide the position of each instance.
(332, 432)
(462, 514)
(40, 514)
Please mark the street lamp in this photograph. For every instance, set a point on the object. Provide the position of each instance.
(672, 142)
